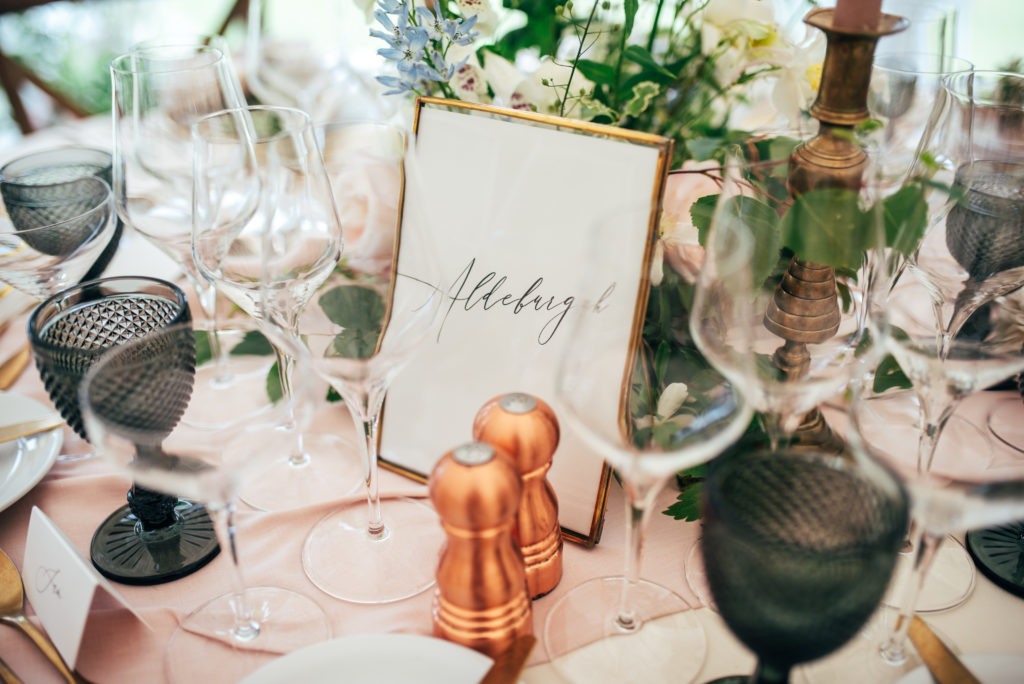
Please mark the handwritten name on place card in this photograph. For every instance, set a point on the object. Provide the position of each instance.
(62, 585)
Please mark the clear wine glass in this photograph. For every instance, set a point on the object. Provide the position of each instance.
(142, 542)
(647, 423)
(267, 235)
(300, 53)
(943, 370)
(904, 86)
(972, 160)
(138, 405)
(159, 89)
(364, 325)
(806, 309)
(799, 547)
(49, 244)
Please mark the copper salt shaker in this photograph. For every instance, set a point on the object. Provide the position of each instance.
(526, 428)
(481, 600)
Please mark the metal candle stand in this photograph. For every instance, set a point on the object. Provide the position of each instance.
(805, 308)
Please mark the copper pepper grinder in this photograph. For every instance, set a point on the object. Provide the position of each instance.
(481, 600)
(526, 428)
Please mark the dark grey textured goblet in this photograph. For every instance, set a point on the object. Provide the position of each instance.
(155, 538)
(799, 547)
(41, 189)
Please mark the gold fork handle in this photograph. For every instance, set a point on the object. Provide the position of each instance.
(42, 642)
(7, 675)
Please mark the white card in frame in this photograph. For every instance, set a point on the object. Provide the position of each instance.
(510, 198)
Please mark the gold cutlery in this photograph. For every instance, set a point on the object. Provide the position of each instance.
(12, 367)
(941, 662)
(29, 427)
(7, 675)
(12, 612)
(509, 664)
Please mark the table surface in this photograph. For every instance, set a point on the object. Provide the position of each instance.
(78, 494)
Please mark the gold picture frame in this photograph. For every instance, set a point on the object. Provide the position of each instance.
(501, 157)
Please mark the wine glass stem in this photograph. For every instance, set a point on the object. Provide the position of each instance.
(246, 626)
(926, 545)
(375, 527)
(285, 367)
(639, 501)
(207, 294)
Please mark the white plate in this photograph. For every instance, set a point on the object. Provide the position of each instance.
(990, 668)
(23, 462)
(376, 659)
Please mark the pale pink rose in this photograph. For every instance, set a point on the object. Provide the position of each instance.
(678, 242)
(367, 191)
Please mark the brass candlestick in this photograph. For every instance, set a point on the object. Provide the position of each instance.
(805, 309)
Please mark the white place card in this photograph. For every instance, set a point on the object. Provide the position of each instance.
(62, 585)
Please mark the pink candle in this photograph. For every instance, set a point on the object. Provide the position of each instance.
(857, 15)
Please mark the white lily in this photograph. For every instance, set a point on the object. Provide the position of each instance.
(670, 401)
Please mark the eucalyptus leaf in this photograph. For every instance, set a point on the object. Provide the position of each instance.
(762, 223)
(274, 391)
(203, 350)
(354, 306)
(906, 217)
(356, 343)
(889, 375)
(827, 227)
(253, 344)
(701, 212)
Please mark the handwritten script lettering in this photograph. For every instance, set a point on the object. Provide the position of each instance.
(46, 581)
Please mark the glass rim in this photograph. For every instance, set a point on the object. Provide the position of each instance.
(305, 119)
(957, 86)
(99, 151)
(52, 305)
(957, 65)
(168, 65)
(107, 199)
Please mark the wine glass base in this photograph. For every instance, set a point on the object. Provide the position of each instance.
(332, 472)
(998, 553)
(586, 644)
(288, 621)
(1006, 423)
(697, 577)
(949, 582)
(119, 552)
(346, 562)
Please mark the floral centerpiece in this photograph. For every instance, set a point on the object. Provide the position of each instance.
(704, 72)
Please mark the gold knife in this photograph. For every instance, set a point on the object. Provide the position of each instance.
(509, 664)
(12, 367)
(942, 663)
(29, 427)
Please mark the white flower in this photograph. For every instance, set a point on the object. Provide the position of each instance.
(487, 18)
(367, 189)
(541, 91)
(678, 241)
(669, 402)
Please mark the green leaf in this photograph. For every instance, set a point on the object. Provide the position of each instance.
(687, 505)
(906, 217)
(664, 433)
(203, 351)
(661, 358)
(274, 391)
(640, 55)
(598, 72)
(701, 212)
(703, 148)
(253, 344)
(356, 343)
(889, 375)
(827, 227)
(332, 395)
(643, 95)
(763, 224)
(354, 306)
(631, 6)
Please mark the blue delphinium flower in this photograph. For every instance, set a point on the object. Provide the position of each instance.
(432, 21)
(461, 31)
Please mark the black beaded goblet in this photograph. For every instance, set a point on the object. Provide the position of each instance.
(41, 189)
(154, 538)
(799, 547)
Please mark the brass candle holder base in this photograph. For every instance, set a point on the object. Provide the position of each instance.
(805, 309)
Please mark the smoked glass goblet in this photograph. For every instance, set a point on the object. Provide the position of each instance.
(49, 245)
(138, 405)
(145, 541)
(42, 177)
(799, 547)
